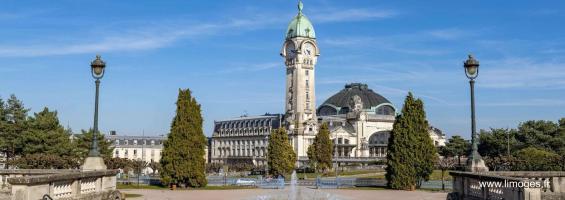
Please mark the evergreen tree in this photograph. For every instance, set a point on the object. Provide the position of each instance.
(45, 135)
(183, 153)
(411, 154)
(3, 128)
(280, 155)
(84, 141)
(425, 152)
(456, 146)
(12, 127)
(320, 152)
(45, 161)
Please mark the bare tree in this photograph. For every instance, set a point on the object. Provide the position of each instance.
(444, 164)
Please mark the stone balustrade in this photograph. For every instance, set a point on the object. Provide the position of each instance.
(539, 185)
(59, 184)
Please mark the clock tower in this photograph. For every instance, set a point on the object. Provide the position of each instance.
(300, 52)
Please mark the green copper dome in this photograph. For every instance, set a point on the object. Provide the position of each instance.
(300, 26)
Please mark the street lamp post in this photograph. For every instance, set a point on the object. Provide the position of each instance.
(94, 161)
(97, 69)
(474, 162)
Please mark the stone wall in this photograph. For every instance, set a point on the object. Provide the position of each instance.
(59, 184)
(466, 185)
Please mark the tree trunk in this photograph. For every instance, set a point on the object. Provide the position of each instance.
(442, 179)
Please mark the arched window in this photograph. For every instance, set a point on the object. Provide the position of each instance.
(379, 138)
(326, 111)
(385, 110)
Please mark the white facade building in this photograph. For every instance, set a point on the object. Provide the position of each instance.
(146, 148)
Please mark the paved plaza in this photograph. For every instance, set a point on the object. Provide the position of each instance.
(252, 194)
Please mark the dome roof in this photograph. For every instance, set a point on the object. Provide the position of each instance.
(300, 26)
(368, 97)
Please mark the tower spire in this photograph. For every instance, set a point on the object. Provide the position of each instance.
(300, 6)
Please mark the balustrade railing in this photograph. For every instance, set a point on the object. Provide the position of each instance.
(508, 185)
(62, 189)
(61, 184)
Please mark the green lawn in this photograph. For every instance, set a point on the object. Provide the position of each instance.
(127, 195)
(145, 187)
(158, 187)
(436, 176)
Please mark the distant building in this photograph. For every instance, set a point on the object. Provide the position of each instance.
(437, 136)
(243, 139)
(146, 148)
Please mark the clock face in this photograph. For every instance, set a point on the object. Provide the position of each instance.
(308, 49)
(290, 50)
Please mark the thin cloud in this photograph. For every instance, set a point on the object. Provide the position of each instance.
(129, 40)
(166, 35)
(414, 44)
(354, 14)
(253, 67)
(528, 103)
(523, 73)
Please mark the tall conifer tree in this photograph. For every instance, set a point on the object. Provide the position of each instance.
(426, 152)
(183, 153)
(411, 154)
(15, 116)
(320, 152)
(281, 157)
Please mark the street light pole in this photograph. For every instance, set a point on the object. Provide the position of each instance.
(94, 147)
(94, 161)
(474, 139)
(474, 162)
(97, 68)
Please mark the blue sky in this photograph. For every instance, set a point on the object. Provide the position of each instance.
(227, 53)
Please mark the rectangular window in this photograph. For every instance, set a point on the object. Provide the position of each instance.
(306, 72)
(307, 84)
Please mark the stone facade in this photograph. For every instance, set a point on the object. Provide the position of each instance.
(300, 52)
(243, 139)
(437, 136)
(146, 148)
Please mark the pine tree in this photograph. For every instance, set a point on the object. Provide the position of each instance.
(183, 153)
(45, 135)
(15, 122)
(84, 141)
(411, 154)
(3, 126)
(320, 152)
(280, 156)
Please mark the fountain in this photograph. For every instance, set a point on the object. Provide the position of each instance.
(296, 192)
